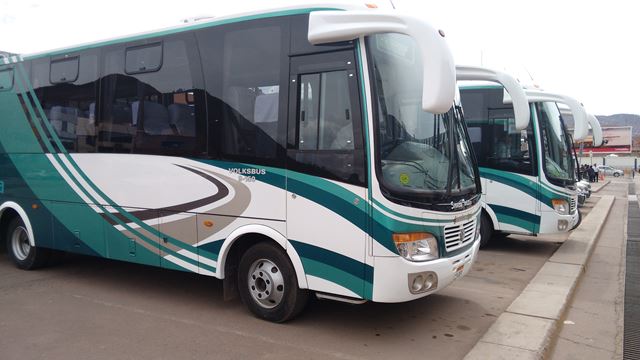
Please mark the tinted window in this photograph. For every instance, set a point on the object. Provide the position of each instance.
(159, 112)
(145, 58)
(325, 112)
(64, 70)
(67, 90)
(40, 73)
(557, 153)
(6, 79)
(495, 140)
(246, 64)
(325, 123)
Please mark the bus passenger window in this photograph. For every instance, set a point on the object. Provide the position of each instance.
(67, 88)
(251, 61)
(64, 70)
(152, 99)
(146, 58)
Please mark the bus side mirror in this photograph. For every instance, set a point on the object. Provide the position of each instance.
(438, 74)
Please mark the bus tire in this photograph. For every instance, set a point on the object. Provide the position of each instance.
(20, 251)
(268, 285)
(486, 230)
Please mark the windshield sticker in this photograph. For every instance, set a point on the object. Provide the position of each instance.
(404, 179)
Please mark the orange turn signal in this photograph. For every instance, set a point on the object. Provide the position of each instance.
(410, 237)
(208, 223)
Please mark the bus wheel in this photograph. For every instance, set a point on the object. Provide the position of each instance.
(268, 285)
(23, 255)
(486, 230)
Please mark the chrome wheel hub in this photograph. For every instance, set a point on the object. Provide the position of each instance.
(266, 283)
(20, 243)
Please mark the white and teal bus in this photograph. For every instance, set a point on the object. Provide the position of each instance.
(582, 184)
(526, 166)
(287, 152)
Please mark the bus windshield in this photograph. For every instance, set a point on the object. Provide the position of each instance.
(421, 157)
(558, 159)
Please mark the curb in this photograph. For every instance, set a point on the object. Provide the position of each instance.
(605, 183)
(526, 329)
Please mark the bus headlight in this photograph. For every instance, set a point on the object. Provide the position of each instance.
(420, 246)
(561, 206)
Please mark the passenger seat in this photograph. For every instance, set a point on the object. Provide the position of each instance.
(183, 118)
(156, 118)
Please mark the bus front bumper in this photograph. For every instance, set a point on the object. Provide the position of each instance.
(574, 220)
(394, 276)
(554, 223)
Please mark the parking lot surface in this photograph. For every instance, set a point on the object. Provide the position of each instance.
(99, 309)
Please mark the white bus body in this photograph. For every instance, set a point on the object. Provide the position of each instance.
(527, 174)
(285, 151)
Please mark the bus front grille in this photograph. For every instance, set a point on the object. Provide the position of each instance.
(457, 236)
(572, 205)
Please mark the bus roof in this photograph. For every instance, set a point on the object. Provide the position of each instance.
(304, 8)
(577, 110)
(331, 22)
(478, 85)
(510, 85)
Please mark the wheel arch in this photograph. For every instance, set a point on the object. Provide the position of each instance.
(243, 237)
(11, 208)
(492, 215)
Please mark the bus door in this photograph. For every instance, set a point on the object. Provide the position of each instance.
(326, 185)
(512, 191)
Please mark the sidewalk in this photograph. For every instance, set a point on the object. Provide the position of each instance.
(597, 186)
(527, 329)
(593, 323)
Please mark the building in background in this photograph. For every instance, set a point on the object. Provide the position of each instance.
(617, 140)
(617, 151)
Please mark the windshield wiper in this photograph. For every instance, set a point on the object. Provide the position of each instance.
(452, 151)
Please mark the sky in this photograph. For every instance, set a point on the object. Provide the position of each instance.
(589, 50)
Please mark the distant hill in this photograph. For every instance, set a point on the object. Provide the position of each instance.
(621, 120)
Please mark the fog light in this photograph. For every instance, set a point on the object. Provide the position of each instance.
(563, 225)
(430, 281)
(418, 284)
(421, 282)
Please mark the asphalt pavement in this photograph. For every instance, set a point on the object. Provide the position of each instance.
(87, 308)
